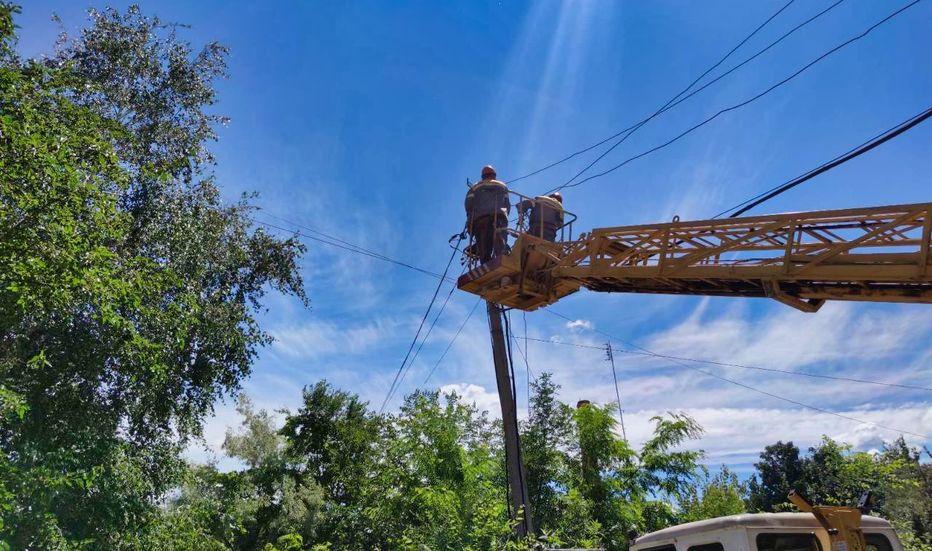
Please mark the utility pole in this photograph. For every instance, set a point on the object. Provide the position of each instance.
(520, 505)
(609, 354)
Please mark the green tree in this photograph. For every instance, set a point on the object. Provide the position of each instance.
(779, 470)
(832, 473)
(624, 490)
(717, 496)
(258, 442)
(128, 292)
(546, 439)
(451, 487)
(907, 499)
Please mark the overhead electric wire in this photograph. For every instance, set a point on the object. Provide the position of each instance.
(621, 413)
(345, 245)
(870, 144)
(524, 355)
(432, 324)
(453, 340)
(427, 335)
(514, 399)
(355, 249)
(328, 236)
(742, 103)
(758, 390)
(666, 106)
(740, 366)
(663, 108)
(527, 363)
(430, 305)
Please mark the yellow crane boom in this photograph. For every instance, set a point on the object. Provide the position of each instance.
(878, 254)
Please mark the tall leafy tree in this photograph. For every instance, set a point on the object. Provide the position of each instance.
(128, 290)
(779, 470)
(719, 495)
(546, 439)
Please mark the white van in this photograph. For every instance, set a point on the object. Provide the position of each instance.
(762, 532)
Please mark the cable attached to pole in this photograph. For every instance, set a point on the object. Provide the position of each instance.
(514, 397)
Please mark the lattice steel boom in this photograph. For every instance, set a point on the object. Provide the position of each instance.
(802, 259)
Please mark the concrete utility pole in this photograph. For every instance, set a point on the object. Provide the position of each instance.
(520, 505)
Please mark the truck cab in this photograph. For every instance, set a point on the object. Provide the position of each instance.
(762, 532)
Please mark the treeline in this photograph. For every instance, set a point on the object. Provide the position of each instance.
(336, 475)
(128, 301)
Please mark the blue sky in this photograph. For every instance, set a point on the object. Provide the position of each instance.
(364, 120)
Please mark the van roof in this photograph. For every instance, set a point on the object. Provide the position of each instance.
(757, 520)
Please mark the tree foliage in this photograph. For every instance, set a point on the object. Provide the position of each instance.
(128, 292)
(832, 473)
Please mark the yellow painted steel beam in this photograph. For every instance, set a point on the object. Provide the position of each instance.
(800, 258)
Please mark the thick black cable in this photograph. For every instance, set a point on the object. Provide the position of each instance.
(453, 340)
(755, 389)
(396, 382)
(663, 108)
(870, 144)
(743, 103)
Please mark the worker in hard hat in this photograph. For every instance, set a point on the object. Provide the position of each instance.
(487, 209)
(545, 215)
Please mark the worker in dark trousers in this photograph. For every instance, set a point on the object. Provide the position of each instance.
(545, 215)
(487, 209)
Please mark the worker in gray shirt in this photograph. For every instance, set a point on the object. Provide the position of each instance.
(545, 215)
(487, 209)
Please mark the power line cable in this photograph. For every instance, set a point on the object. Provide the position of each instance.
(430, 305)
(764, 392)
(453, 340)
(356, 249)
(663, 108)
(514, 398)
(527, 363)
(743, 103)
(621, 414)
(327, 236)
(741, 366)
(524, 355)
(426, 335)
(870, 144)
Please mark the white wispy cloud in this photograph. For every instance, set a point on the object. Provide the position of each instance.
(579, 324)
(736, 436)
(483, 399)
(789, 339)
(314, 339)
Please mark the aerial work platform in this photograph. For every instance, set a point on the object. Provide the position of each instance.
(876, 254)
